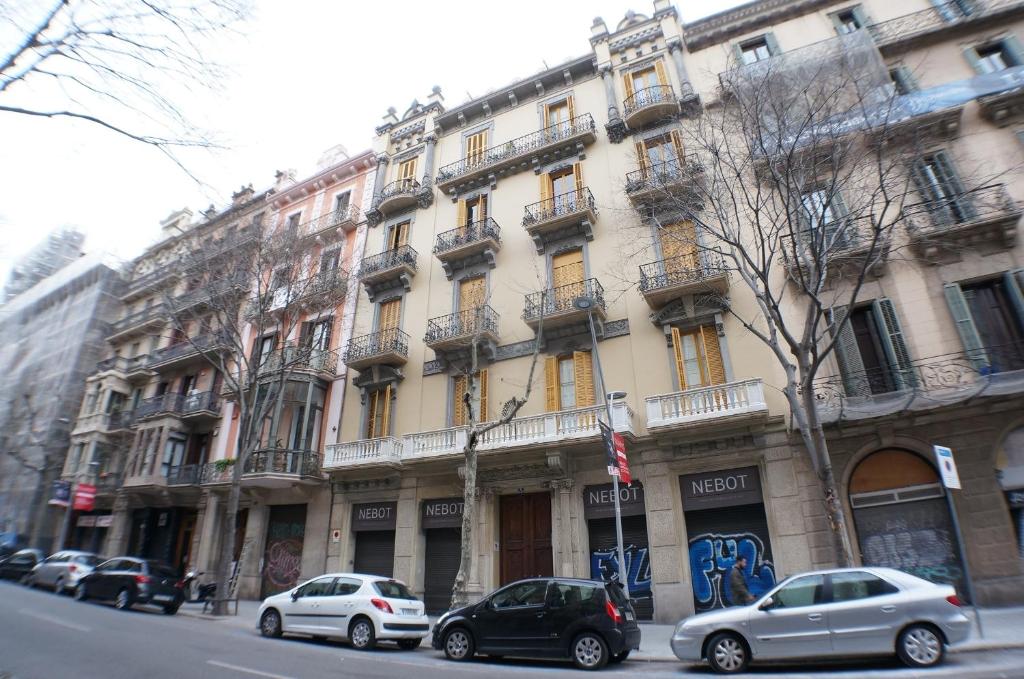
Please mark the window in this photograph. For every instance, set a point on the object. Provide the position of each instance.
(849, 20)
(993, 58)
(957, 9)
(698, 357)
(871, 349)
(398, 235)
(263, 349)
(756, 49)
(803, 591)
(330, 260)
(293, 223)
(116, 402)
(524, 594)
(407, 170)
(319, 587)
(392, 589)
(902, 80)
(389, 314)
(90, 402)
(855, 585)
(661, 156)
(472, 210)
(561, 191)
(316, 335)
(346, 586)
(559, 114)
(942, 193)
(573, 596)
(821, 209)
(341, 202)
(378, 413)
(174, 452)
(476, 147)
(679, 250)
(460, 385)
(989, 317)
(569, 380)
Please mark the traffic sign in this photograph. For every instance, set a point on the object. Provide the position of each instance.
(947, 467)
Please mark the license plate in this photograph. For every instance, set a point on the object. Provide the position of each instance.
(629, 616)
(162, 597)
(409, 611)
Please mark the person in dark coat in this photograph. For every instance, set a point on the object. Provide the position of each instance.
(741, 595)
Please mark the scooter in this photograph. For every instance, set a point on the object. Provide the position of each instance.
(196, 591)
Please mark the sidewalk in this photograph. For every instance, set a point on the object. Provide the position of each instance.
(1003, 629)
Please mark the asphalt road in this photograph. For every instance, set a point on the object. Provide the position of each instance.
(43, 636)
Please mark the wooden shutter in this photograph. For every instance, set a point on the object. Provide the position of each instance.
(472, 292)
(893, 342)
(677, 352)
(583, 367)
(546, 191)
(571, 106)
(551, 383)
(965, 325)
(659, 69)
(389, 314)
(642, 161)
(713, 355)
(399, 236)
(677, 144)
(385, 425)
(371, 414)
(679, 246)
(407, 169)
(772, 43)
(458, 406)
(482, 386)
(461, 219)
(567, 268)
(1014, 284)
(577, 173)
(481, 207)
(851, 365)
(475, 146)
(627, 80)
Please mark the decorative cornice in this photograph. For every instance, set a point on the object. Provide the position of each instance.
(637, 38)
(720, 27)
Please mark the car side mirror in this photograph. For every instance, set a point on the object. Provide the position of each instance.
(295, 595)
(766, 604)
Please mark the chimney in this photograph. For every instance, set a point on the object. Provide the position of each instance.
(283, 178)
(332, 156)
(242, 195)
(176, 223)
(390, 118)
(435, 96)
(598, 29)
(210, 212)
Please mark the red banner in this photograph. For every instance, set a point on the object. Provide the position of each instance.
(620, 457)
(85, 497)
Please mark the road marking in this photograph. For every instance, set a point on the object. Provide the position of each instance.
(239, 668)
(55, 621)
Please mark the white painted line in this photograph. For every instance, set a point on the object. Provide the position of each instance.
(55, 621)
(238, 668)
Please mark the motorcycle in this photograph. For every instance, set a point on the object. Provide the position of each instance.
(195, 590)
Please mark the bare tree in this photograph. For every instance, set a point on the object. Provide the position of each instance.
(98, 61)
(247, 296)
(796, 181)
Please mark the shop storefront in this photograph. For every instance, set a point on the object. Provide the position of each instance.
(164, 534)
(441, 520)
(725, 518)
(282, 555)
(599, 512)
(374, 526)
(90, 531)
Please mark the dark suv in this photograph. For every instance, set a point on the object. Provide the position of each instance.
(127, 581)
(587, 621)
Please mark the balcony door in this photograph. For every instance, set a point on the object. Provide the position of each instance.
(989, 316)
(378, 413)
(698, 357)
(640, 84)
(472, 294)
(407, 171)
(871, 350)
(476, 148)
(567, 276)
(398, 236)
(460, 385)
(661, 155)
(941, 189)
(390, 314)
(679, 247)
(569, 381)
(558, 117)
(471, 211)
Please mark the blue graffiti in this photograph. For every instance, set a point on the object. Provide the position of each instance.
(712, 556)
(604, 565)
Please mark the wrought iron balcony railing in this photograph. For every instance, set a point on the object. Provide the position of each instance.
(561, 299)
(559, 206)
(109, 482)
(283, 461)
(481, 230)
(227, 291)
(150, 313)
(154, 405)
(200, 401)
(148, 280)
(389, 259)
(520, 146)
(113, 363)
(649, 96)
(390, 340)
(663, 174)
(982, 205)
(184, 475)
(299, 357)
(399, 187)
(200, 343)
(476, 321)
(682, 270)
(346, 216)
(940, 16)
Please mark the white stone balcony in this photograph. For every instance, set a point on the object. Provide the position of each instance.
(380, 451)
(717, 404)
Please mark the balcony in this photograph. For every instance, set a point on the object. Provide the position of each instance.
(556, 306)
(136, 369)
(937, 22)
(650, 105)
(137, 322)
(384, 347)
(199, 406)
(225, 293)
(386, 451)
(326, 288)
(454, 334)
(184, 475)
(215, 473)
(468, 245)
(389, 268)
(108, 483)
(564, 215)
(281, 468)
(335, 222)
(299, 359)
(398, 196)
(669, 181)
(230, 243)
(669, 279)
(154, 406)
(104, 423)
(523, 153)
(147, 282)
(186, 352)
(722, 404)
(850, 244)
(985, 219)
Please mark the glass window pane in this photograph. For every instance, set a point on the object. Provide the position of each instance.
(567, 382)
(804, 591)
(858, 585)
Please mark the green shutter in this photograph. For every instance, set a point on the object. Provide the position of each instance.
(836, 23)
(773, 44)
(965, 325)
(972, 58)
(893, 343)
(851, 366)
(951, 180)
(1013, 281)
(737, 53)
(861, 16)
(1013, 47)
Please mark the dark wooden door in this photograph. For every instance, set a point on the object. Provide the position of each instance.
(525, 536)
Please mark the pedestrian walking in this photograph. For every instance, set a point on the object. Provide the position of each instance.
(741, 596)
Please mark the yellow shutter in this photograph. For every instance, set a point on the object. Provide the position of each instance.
(551, 383)
(385, 427)
(641, 158)
(461, 220)
(371, 419)
(482, 415)
(577, 173)
(472, 292)
(547, 115)
(584, 378)
(571, 106)
(567, 268)
(389, 314)
(677, 143)
(679, 246)
(407, 169)
(458, 406)
(713, 355)
(628, 80)
(677, 351)
(475, 146)
(659, 68)
(481, 208)
(545, 191)
(399, 236)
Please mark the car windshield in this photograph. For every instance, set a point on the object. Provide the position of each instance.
(393, 590)
(161, 570)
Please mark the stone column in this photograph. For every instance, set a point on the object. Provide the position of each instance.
(314, 544)
(373, 216)
(255, 537)
(562, 505)
(120, 524)
(405, 532)
(428, 159)
(616, 128)
(675, 48)
(209, 533)
(337, 552)
(479, 574)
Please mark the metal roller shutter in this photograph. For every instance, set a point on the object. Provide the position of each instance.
(636, 552)
(441, 565)
(375, 553)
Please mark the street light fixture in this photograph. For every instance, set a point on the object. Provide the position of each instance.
(584, 303)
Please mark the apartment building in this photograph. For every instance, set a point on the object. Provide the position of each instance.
(491, 220)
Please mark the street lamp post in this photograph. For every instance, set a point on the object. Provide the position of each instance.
(585, 303)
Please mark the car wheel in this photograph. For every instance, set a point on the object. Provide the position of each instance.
(270, 624)
(80, 593)
(409, 644)
(123, 601)
(727, 654)
(616, 659)
(458, 644)
(920, 646)
(361, 634)
(58, 586)
(589, 652)
(171, 610)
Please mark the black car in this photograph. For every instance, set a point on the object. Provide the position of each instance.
(18, 565)
(587, 621)
(128, 581)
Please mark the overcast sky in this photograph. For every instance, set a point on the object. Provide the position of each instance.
(306, 76)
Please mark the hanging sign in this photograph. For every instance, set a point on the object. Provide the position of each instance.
(61, 493)
(85, 497)
(947, 467)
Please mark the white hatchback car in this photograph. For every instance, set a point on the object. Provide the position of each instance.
(364, 609)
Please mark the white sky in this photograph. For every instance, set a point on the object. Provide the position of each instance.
(308, 75)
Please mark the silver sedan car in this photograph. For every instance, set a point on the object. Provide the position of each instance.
(835, 613)
(62, 570)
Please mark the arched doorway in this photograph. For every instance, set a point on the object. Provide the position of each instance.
(902, 521)
(1010, 472)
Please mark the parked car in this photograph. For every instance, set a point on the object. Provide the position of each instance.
(128, 581)
(61, 571)
(19, 565)
(836, 613)
(587, 621)
(11, 542)
(364, 609)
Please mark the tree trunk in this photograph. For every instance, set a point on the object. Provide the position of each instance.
(227, 543)
(460, 597)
